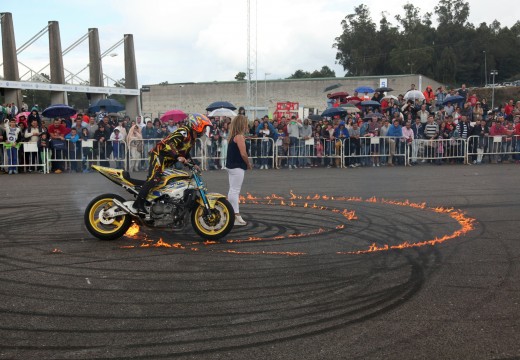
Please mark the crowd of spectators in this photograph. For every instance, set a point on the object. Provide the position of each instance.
(400, 124)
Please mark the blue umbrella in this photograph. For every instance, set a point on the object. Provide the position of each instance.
(364, 89)
(220, 104)
(371, 115)
(110, 105)
(370, 103)
(453, 99)
(334, 111)
(59, 110)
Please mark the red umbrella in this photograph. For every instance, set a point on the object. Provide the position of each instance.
(175, 115)
(338, 95)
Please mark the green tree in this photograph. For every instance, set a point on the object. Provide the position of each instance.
(300, 74)
(240, 76)
(357, 49)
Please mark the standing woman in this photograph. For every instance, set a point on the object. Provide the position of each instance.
(237, 162)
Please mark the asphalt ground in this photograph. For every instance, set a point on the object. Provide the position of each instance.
(296, 283)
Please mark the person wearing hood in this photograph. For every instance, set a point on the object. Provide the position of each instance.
(34, 115)
(101, 136)
(429, 95)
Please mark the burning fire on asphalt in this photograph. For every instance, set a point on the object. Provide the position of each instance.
(465, 222)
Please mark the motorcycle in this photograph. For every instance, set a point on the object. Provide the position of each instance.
(179, 196)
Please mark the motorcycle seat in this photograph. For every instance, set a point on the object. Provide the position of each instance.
(137, 182)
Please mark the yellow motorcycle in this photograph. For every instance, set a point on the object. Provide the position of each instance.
(180, 195)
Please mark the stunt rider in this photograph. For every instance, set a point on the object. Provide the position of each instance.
(175, 147)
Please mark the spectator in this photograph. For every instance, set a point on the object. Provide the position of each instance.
(408, 138)
(264, 133)
(74, 149)
(13, 136)
(91, 127)
(34, 115)
(293, 130)
(101, 136)
(117, 141)
(86, 149)
(43, 150)
(431, 132)
(395, 133)
(32, 134)
(224, 133)
(135, 145)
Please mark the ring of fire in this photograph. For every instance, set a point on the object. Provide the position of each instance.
(466, 224)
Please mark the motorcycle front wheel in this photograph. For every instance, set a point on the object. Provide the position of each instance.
(98, 221)
(217, 224)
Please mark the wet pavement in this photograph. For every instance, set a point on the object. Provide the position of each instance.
(393, 263)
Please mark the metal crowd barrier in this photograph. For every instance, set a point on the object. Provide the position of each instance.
(438, 150)
(79, 156)
(493, 149)
(25, 155)
(349, 152)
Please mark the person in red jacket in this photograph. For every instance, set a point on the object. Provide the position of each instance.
(516, 138)
(429, 95)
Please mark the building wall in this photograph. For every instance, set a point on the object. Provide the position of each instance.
(195, 97)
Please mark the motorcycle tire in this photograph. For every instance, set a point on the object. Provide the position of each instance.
(112, 228)
(218, 224)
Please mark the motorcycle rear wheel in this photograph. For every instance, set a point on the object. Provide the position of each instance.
(105, 228)
(218, 224)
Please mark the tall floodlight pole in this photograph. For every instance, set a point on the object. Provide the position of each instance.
(252, 84)
(493, 73)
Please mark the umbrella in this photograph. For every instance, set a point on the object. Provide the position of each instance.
(364, 89)
(25, 113)
(58, 110)
(110, 105)
(222, 112)
(371, 115)
(220, 104)
(370, 103)
(332, 87)
(384, 89)
(331, 112)
(352, 110)
(174, 114)
(338, 95)
(315, 117)
(453, 99)
(388, 97)
(414, 94)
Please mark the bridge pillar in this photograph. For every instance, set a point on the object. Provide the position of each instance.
(56, 63)
(133, 107)
(10, 59)
(95, 64)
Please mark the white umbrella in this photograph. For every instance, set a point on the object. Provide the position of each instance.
(413, 95)
(223, 112)
(391, 97)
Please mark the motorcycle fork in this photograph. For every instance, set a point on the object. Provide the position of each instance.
(202, 192)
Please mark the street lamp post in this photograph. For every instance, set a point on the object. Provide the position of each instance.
(493, 73)
(485, 66)
(265, 90)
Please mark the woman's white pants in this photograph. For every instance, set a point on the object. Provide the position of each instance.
(236, 178)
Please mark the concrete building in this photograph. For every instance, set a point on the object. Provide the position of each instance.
(309, 93)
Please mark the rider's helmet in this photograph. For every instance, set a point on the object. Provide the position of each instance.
(198, 122)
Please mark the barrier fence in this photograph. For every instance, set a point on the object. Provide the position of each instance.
(264, 153)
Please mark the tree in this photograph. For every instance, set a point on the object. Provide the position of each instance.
(357, 48)
(240, 76)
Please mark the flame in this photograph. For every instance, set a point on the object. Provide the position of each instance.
(56, 251)
(132, 230)
(127, 247)
(467, 224)
(373, 199)
(285, 253)
(339, 227)
(161, 243)
(209, 242)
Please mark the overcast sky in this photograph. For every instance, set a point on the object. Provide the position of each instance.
(206, 40)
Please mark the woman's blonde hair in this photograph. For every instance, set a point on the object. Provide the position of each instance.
(238, 126)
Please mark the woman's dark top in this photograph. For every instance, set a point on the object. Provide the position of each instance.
(234, 159)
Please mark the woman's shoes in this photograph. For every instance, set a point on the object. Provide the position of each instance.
(239, 221)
